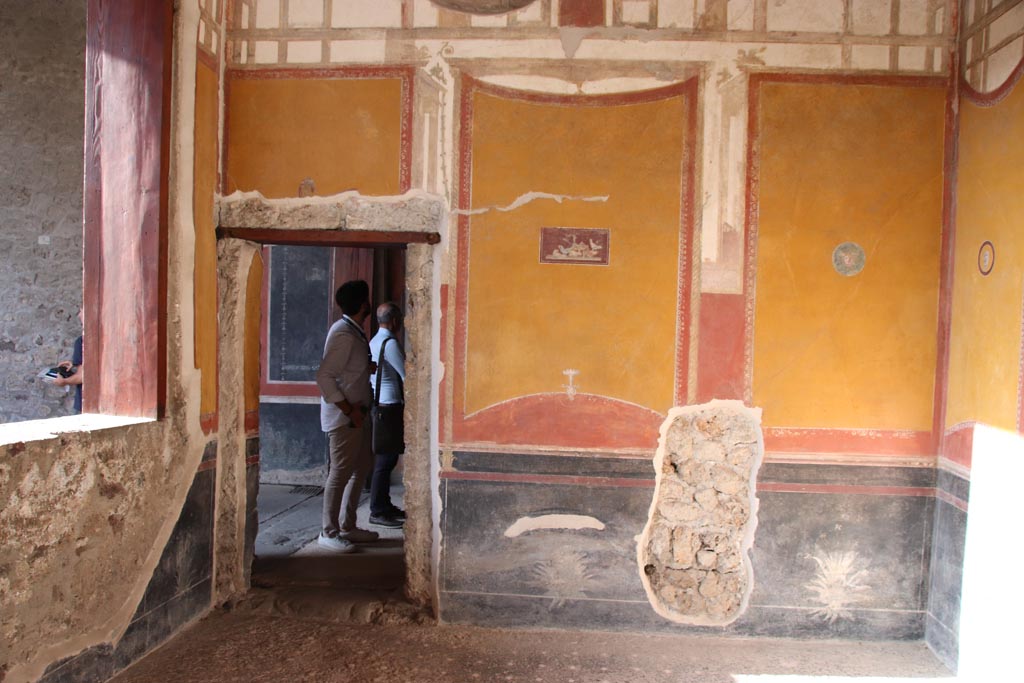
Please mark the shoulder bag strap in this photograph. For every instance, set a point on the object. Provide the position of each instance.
(380, 371)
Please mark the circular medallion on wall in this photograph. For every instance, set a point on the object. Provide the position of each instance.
(483, 6)
(986, 257)
(848, 259)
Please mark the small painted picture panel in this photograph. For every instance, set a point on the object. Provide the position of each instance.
(579, 246)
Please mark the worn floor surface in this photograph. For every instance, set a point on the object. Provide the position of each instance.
(323, 618)
(261, 645)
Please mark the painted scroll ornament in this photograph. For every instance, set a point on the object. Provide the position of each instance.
(693, 554)
(483, 6)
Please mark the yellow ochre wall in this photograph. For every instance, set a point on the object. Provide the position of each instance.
(529, 321)
(985, 340)
(838, 163)
(206, 132)
(345, 134)
(251, 350)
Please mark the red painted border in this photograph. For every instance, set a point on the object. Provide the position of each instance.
(837, 440)
(996, 96)
(1020, 376)
(252, 422)
(958, 444)
(951, 499)
(208, 422)
(609, 422)
(586, 421)
(268, 388)
(252, 460)
(207, 465)
(649, 483)
(720, 346)
(783, 487)
(565, 479)
(207, 58)
(406, 74)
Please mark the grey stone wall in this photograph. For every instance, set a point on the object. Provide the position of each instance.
(42, 63)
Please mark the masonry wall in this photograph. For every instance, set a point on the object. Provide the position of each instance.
(41, 144)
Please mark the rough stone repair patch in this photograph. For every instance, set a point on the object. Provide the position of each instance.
(415, 211)
(693, 552)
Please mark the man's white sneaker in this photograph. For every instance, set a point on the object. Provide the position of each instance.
(359, 536)
(335, 543)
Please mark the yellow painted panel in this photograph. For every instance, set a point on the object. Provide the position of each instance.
(345, 134)
(206, 131)
(251, 347)
(528, 321)
(985, 341)
(848, 163)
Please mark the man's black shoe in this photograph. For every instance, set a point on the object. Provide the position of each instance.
(386, 521)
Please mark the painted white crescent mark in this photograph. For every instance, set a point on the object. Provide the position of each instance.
(526, 198)
(525, 525)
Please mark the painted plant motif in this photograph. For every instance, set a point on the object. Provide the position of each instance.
(838, 584)
(564, 576)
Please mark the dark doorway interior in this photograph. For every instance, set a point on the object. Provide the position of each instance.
(298, 307)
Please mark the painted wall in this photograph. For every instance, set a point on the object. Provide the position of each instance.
(617, 324)
(986, 362)
(838, 163)
(841, 509)
(985, 342)
(343, 130)
(253, 316)
(41, 134)
(207, 131)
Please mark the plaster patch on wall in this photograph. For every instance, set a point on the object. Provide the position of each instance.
(693, 552)
(524, 525)
(526, 198)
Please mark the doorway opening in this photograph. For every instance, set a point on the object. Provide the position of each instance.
(298, 307)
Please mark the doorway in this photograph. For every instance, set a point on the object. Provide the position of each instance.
(297, 309)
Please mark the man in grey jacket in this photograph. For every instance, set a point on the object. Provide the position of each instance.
(344, 381)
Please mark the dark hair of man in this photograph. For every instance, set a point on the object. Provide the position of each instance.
(388, 313)
(351, 296)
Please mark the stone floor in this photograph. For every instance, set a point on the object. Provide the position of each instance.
(317, 617)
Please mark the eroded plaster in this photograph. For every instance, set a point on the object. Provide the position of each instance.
(693, 553)
(85, 515)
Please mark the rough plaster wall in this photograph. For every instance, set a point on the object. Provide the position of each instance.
(414, 211)
(85, 515)
(693, 552)
(416, 473)
(234, 258)
(42, 72)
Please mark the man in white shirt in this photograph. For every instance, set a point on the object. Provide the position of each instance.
(391, 370)
(344, 381)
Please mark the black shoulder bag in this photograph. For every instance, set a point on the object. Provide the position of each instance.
(388, 420)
